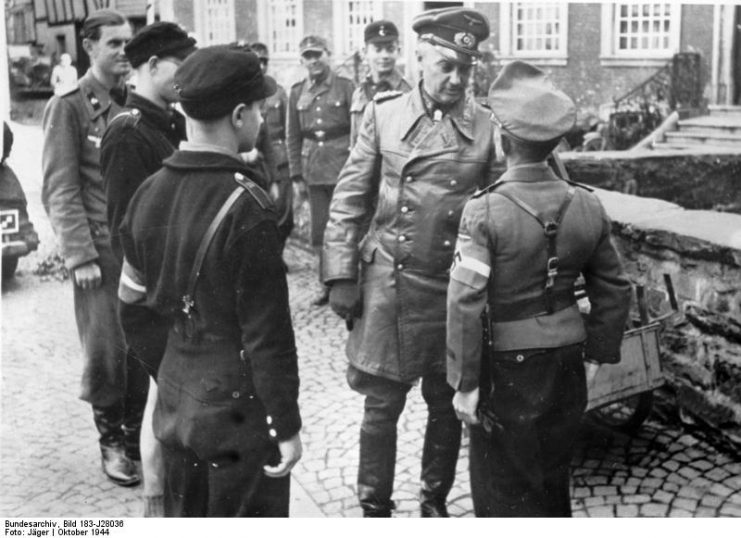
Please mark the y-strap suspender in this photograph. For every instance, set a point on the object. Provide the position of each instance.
(550, 228)
(189, 297)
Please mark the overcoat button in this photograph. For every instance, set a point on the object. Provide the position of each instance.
(272, 432)
(519, 358)
(404, 209)
(402, 238)
(235, 394)
(446, 243)
(453, 183)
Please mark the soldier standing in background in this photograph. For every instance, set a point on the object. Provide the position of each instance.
(381, 52)
(73, 197)
(274, 111)
(134, 145)
(420, 156)
(318, 134)
(522, 244)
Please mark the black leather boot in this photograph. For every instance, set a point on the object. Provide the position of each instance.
(376, 474)
(439, 457)
(116, 466)
(137, 388)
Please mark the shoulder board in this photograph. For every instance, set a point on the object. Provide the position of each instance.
(70, 91)
(131, 117)
(345, 79)
(580, 185)
(381, 97)
(260, 196)
(490, 188)
(297, 84)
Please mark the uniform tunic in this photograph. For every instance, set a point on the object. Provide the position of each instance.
(228, 381)
(421, 172)
(489, 251)
(73, 197)
(318, 128)
(133, 148)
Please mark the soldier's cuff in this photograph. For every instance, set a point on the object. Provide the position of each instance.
(283, 426)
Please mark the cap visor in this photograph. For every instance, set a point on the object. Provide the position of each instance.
(314, 49)
(455, 56)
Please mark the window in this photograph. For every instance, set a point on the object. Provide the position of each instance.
(536, 31)
(215, 22)
(285, 26)
(640, 31)
(352, 17)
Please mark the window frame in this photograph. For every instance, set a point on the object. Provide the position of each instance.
(507, 24)
(342, 41)
(612, 56)
(201, 24)
(267, 22)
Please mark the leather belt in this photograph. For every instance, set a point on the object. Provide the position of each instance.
(324, 136)
(530, 308)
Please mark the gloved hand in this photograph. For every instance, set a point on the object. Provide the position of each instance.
(299, 189)
(344, 299)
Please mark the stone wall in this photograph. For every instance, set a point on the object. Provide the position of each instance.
(705, 179)
(701, 345)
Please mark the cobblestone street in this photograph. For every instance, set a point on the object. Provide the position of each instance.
(50, 462)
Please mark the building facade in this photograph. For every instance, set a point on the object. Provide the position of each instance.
(595, 51)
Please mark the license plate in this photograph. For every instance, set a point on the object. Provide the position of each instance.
(9, 221)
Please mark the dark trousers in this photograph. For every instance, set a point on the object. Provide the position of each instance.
(320, 197)
(384, 402)
(235, 487)
(522, 468)
(113, 381)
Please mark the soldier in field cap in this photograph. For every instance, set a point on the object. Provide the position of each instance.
(202, 257)
(417, 158)
(318, 136)
(380, 53)
(522, 243)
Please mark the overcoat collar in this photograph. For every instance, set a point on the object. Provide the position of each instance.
(461, 115)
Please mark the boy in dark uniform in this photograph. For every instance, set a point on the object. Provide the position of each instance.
(134, 145)
(202, 255)
(521, 245)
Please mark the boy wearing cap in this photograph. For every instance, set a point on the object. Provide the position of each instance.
(522, 243)
(418, 157)
(73, 197)
(226, 413)
(318, 136)
(134, 145)
(381, 52)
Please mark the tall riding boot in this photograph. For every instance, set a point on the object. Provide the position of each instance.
(376, 473)
(116, 465)
(137, 387)
(439, 457)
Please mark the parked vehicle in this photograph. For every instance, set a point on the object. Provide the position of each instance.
(18, 234)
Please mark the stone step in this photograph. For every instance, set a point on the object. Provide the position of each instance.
(710, 129)
(708, 139)
(721, 110)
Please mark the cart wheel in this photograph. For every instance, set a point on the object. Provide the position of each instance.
(625, 415)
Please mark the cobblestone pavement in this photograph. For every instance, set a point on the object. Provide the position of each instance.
(49, 462)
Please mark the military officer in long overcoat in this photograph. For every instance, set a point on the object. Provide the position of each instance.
(522, 244)
(421, 155)
(380, 53)
(318, 135)
(74, 199)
